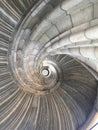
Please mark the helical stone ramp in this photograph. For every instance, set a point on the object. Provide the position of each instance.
(48, 64)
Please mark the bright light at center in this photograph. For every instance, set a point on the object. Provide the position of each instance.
(45, 72)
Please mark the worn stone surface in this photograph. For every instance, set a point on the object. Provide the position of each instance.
(48, 64)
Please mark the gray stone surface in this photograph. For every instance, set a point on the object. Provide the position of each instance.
(48, 64)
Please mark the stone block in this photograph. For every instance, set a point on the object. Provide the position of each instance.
(80, 6)
(52, 32)
(96, 52)
(78, 37)
(69, 4)
(44, 38)
(92, 33)
(94, 22)
(96, 10)
(82, 16)
(80, 28)
(63, 23)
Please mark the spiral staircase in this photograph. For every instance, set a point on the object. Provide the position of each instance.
(48, 64)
